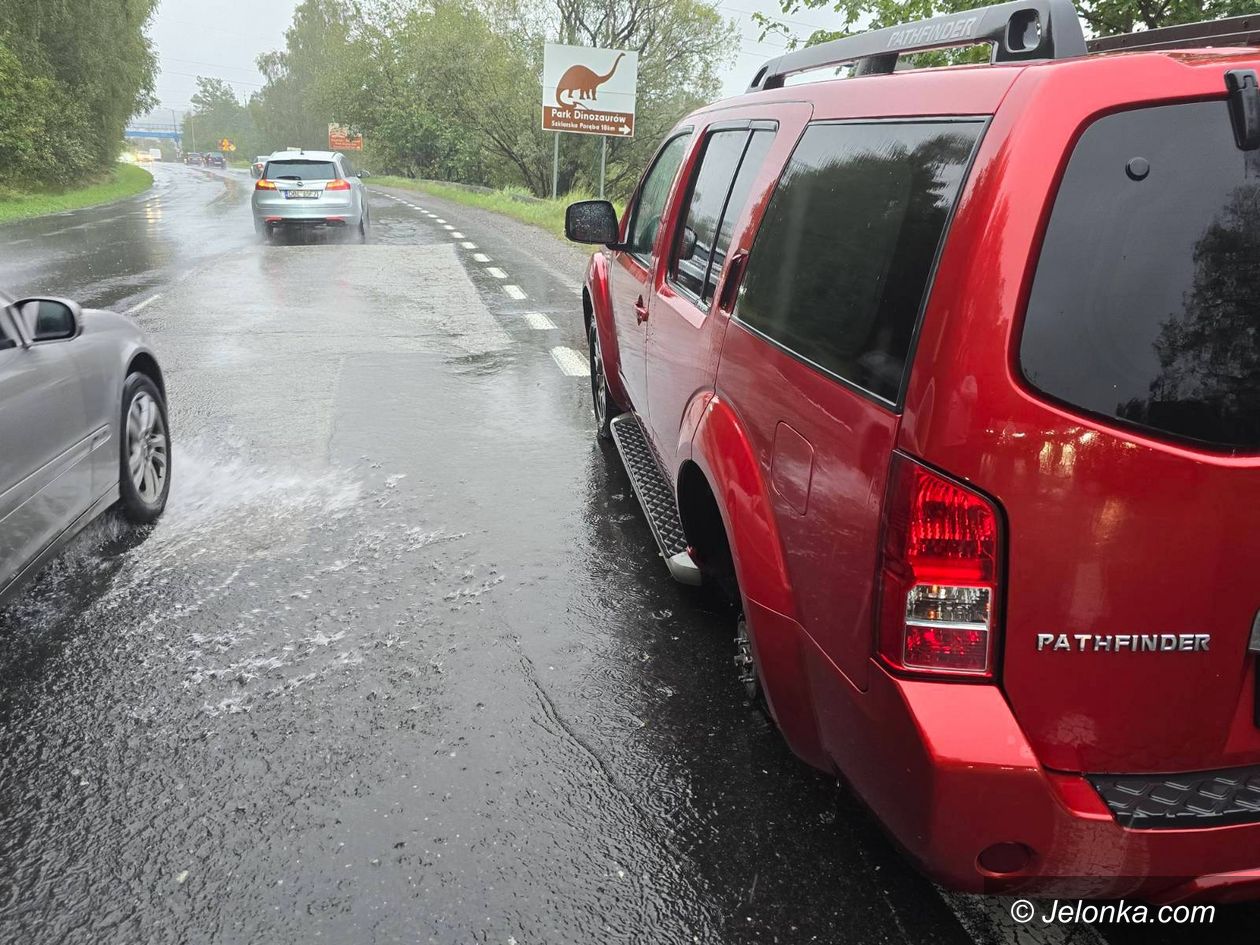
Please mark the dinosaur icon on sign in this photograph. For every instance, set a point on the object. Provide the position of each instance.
(583, 83)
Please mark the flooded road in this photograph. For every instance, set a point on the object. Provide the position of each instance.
(400, 663)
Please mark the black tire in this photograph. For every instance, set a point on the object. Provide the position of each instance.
(144, 456)
(604, 406)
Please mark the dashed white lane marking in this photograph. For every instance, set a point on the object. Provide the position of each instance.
(468, 245)
(515, 292)
(481, 257)
(439, 219)
(539, 322)
(147, 302)
(496, 272)
(447, 226)
(458, 236)
(571, 362)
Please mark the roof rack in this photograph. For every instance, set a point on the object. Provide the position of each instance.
(1232, 31)
(1018, 32)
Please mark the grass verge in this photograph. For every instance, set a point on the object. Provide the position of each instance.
(124, 180)
(547, 214)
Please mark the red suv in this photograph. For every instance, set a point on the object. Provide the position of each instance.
(951, 377)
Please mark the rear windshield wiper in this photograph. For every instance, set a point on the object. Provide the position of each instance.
(288, 177)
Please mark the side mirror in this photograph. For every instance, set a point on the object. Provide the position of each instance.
(591, 221)
(687, 246)
(363, 174)
(50, 319)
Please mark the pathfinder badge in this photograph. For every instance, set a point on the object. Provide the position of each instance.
(1124, 642)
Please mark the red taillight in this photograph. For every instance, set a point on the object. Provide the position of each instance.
(265, 185)
(341, 184)
(939, 575)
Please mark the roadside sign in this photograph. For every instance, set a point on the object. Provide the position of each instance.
(225, 144)
(589, 91)
(340, 139)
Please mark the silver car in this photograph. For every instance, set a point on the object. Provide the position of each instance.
(83, 427)
(310, 188)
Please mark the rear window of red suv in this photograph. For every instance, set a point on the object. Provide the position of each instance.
(1145, 307)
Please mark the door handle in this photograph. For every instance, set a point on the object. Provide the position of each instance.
(640, 311)
(734, 276)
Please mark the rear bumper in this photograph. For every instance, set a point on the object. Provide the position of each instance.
(274, 211)
(949, 772)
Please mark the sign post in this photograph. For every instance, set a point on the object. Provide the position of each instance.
(588, 91)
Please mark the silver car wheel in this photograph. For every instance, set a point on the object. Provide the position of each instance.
(146, 448)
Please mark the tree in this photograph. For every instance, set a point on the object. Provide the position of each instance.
(305, 80)
(218, 114)
(450, 88)
(1100, 17)
(60, 85)
(682, 46)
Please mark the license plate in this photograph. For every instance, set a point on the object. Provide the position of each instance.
(300, 194)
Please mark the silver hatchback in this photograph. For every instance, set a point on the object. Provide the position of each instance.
(310, 189)
(83, 426)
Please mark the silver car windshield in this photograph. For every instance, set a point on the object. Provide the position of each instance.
(301, 170)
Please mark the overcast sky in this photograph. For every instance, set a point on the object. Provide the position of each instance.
(223, 38)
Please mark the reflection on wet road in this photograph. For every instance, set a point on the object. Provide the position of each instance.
(399, 664)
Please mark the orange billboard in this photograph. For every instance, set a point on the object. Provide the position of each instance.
(340, 139)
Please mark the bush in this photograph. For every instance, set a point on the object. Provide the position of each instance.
(46, 136)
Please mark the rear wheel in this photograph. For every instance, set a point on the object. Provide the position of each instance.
(144, 475)
(602, 402)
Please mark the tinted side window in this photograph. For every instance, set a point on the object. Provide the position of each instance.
(652, 195)
(1144, 305)
(754, 157)
(715, 205)
(841, 264)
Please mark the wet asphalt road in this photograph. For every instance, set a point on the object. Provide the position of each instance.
(400, 663)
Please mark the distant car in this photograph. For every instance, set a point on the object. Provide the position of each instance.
(193, 157)
(256, 169)
(84, 427)
(310, 188)
(155, 154)
(215, 159)
(142, 157)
